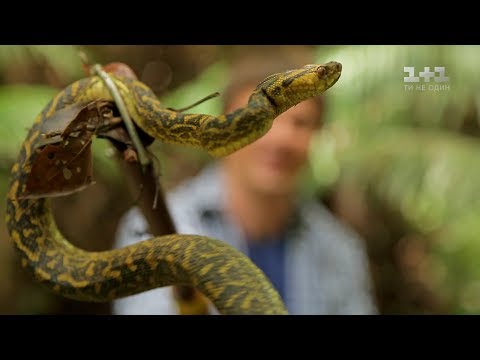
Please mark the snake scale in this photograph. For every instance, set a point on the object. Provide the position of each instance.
(227, 277)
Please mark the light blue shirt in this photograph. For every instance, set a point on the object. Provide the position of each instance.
(326, 267)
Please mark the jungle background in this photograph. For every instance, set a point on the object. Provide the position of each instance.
(397, 165)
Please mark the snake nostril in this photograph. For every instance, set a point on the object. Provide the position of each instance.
(321, 71)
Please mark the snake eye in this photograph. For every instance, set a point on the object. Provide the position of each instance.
(321, 71)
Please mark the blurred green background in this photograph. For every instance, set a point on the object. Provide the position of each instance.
(397, 164)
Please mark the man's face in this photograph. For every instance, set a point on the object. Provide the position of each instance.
(271, 164)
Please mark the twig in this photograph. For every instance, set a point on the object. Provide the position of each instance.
(211, 96)
(142, 155)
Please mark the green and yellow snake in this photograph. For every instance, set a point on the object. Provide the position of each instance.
(227, 277)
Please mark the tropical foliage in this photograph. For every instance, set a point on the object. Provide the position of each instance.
(414, 151)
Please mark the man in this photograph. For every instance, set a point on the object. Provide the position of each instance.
(250, 200)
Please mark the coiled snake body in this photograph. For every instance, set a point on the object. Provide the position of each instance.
(224, 275)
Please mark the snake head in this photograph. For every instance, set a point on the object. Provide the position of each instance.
(289, 88)
(329, 72)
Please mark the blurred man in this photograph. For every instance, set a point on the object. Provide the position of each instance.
(250, 200)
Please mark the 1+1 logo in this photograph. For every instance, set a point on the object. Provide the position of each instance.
(438, 76)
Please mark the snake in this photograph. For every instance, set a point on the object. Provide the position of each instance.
(226, 276)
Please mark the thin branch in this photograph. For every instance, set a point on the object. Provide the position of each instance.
(208, 97)
(110, 84)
